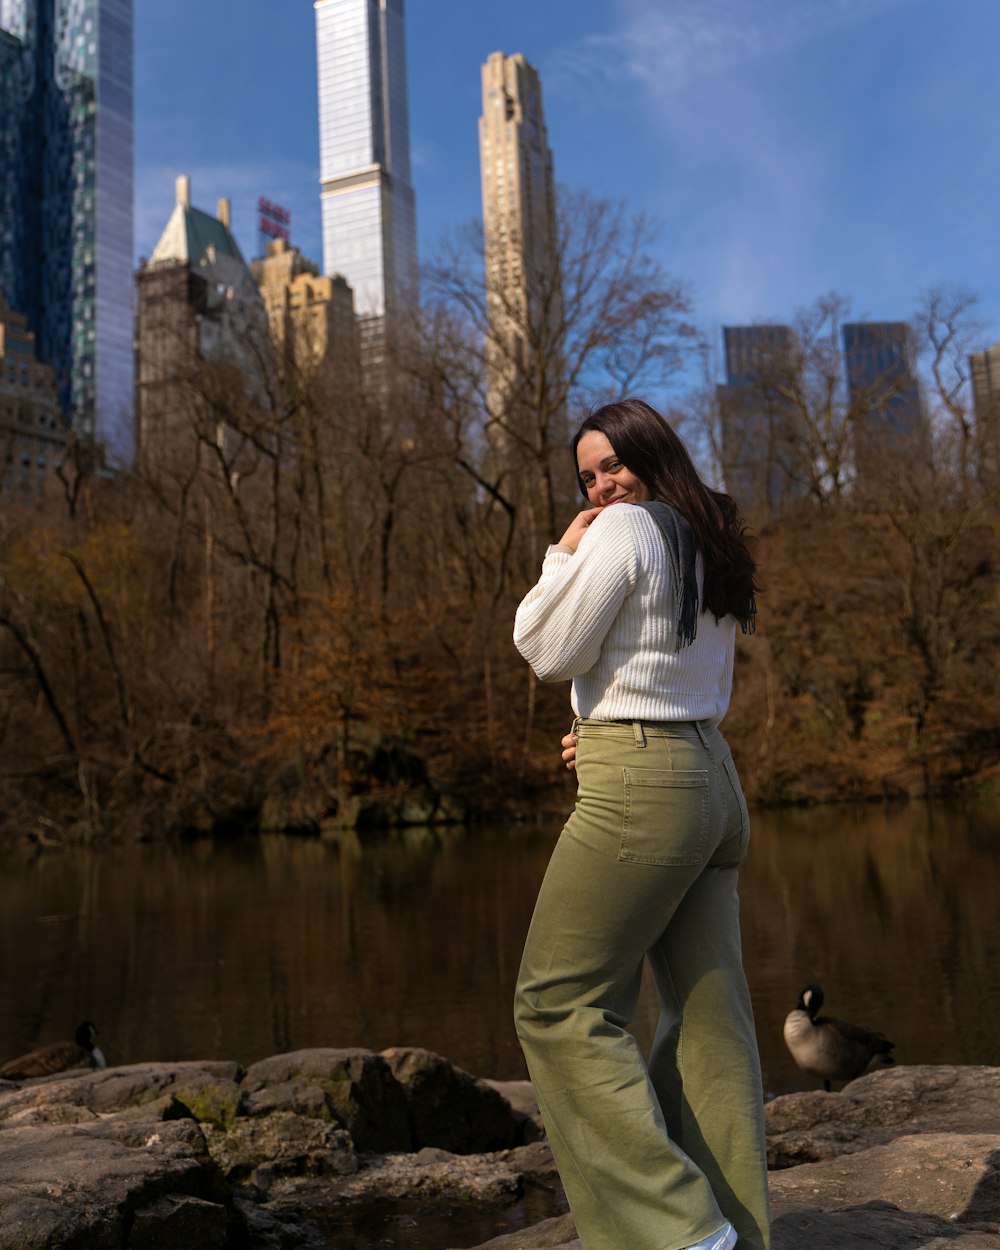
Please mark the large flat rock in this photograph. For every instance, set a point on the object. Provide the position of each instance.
(954, 1176)
(876, 1226)
(83, 1096)
(86, 1186)
(804, 1128)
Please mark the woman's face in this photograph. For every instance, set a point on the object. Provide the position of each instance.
(603, 475)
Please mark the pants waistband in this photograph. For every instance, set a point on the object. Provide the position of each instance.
(640, 730)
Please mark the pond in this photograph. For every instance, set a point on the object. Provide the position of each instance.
(241, 949)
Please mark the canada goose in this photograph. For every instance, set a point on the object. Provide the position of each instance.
(832, 1049)
(57, 1057)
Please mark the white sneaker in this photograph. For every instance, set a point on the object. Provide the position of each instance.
(724, 1239)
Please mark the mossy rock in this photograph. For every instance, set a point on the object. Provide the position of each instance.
(217, 1103)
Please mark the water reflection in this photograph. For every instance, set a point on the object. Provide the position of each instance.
(239, 950)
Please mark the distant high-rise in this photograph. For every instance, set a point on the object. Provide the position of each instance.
(311, 318)
(884, 391)
(32, 433)
(519, 226)
(984, 369)
(760, 447)
(369, 218)
(198, 307)
(66, 201)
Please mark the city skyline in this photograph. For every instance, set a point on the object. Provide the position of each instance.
(787, 148)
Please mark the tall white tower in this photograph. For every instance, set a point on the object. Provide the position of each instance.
(369, 219)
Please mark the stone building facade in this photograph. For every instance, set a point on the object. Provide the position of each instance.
(32, 430)
(310, 317)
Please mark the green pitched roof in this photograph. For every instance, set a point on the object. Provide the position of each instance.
(190, 232)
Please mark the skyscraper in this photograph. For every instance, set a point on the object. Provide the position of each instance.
(369, 219)
(885, 395)
(984, 370)
(519, 225)
(66, 201)
(760, 448)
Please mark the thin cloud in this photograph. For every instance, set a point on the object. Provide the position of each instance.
(665, 48)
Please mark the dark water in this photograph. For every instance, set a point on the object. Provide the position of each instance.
(243, 949)
(240, 950)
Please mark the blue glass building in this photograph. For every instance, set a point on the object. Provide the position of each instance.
(885, 394)
(66, 201)
(761, 449)
(369, 218)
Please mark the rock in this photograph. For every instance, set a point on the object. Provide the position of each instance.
(179, 1221)
(448, 1107)
(804, 1128)
(134, 1090)
(169, 1155)
(353, 1088)
(268, 1229)
(434, 1175)
(910, 1159)
(86, 1185)
(875, 1226)
(534, 1164)
(954, 1176)
(262, 1150)
(559, 1231)
(215, 1102)
(520, 1095)
(418, 807)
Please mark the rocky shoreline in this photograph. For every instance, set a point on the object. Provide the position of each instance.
(180, 1156)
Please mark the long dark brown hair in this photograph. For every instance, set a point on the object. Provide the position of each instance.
(649, 448)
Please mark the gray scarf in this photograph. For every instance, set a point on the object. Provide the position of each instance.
(684, 583)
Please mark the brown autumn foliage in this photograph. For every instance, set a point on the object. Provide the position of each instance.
(299, 608)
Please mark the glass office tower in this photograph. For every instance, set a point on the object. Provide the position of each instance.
(761, 451)
(885, 393)
(369, 219)
(66, 201)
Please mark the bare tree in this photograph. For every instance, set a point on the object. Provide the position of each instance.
(948, 329)
(597, 320)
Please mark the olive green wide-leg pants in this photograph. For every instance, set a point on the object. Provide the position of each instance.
(657, 1155)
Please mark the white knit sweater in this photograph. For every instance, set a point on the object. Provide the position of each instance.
(601, 616)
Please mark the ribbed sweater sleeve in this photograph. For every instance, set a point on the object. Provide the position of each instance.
(563, 621)
(604, 617)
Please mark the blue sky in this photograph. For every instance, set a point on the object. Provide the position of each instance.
(786, 147)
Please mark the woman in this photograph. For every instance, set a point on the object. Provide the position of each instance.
(638, 603)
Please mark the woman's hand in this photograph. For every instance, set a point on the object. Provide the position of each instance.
(578, 527)
(569, 750)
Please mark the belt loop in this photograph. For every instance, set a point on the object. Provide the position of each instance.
(700, 729)
(640, 737)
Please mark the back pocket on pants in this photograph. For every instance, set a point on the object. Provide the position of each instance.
(666, 816)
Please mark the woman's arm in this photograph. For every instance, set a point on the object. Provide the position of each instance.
(562, 622)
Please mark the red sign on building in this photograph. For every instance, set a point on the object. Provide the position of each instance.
(273, 222)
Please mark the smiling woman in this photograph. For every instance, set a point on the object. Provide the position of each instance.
(652, 1154)
(603, 476)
